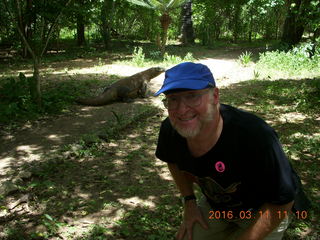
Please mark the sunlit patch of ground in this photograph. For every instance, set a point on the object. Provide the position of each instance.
(127, 187)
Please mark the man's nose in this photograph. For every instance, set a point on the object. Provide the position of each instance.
(182, 107)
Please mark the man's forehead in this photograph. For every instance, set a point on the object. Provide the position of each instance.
(182, 91)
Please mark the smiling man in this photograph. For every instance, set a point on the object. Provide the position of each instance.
(249, 188)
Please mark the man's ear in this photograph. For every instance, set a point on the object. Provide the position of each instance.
(216, 97)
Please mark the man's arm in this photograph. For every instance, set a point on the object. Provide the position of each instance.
(270, 218)
(192, 213)
(184, 184)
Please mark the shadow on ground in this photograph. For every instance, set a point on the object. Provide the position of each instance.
(116, 189)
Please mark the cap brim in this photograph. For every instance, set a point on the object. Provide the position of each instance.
(187, 84)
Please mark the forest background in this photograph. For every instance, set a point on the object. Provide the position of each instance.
(46, 49)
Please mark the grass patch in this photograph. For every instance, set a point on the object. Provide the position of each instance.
(154, 57)
(292, 108)
(109, 185)
(57, 97)
(302, 60)
(119, 185)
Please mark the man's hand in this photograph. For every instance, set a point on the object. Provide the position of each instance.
(192, 214)
(264, 224)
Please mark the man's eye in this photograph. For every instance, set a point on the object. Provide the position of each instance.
(191, 96)
(173, 99)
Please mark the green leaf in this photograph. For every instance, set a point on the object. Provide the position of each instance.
(48, 217)
(141, 3)
(157, 4)
(175, 3)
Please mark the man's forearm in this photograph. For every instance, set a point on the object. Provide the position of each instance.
(184, 184)
(269, 219)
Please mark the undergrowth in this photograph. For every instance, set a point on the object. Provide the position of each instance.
(141, 58)
(302, 60)
(57, 97)
(100, 171)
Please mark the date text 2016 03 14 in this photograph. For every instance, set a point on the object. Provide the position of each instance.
(247, 215)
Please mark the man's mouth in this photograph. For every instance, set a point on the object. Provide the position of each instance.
(187, 119)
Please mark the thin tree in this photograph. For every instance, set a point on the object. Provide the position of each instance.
(17, 17)
(106, 17)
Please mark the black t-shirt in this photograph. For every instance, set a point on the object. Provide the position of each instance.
(245, 169)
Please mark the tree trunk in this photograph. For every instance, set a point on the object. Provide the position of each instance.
(165, 21)
(25, 26)
(187, 32)
(295, 21)
(250, 25)
(34, 83)
(106, 21)
(80, 25)
(236, 23)
(80, 31)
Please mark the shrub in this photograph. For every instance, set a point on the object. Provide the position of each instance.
(138, 57)
(174, 59)
(15, 99)
(245, 58)
(303, 59)
(16, 103)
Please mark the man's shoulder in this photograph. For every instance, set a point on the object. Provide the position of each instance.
(166, 126)
(247, 123)
(170, 144)
(242, 115)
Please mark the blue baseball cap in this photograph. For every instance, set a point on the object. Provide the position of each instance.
(188, 76)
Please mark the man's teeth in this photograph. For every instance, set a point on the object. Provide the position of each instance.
(187, 119)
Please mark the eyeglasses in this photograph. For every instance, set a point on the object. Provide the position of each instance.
(192, 99)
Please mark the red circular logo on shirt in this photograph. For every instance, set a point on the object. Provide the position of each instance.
(220, 167)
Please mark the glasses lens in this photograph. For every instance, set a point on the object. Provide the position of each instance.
(190, 99)
(172, 102)
(193, 99)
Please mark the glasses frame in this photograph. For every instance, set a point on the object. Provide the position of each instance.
(182, 98)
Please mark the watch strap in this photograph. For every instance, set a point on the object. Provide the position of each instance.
(189, 197)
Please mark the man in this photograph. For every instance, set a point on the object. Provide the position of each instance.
(235, 157)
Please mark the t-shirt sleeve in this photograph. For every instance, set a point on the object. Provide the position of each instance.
(164, 145)
(276, 173)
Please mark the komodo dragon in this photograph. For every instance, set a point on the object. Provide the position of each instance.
(125, 88)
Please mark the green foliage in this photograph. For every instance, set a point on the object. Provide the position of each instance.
(237, 20)
(171, 58)
(16, 102)
(138, 19)
(51, 224)
(123, 121)
(133, 172)
(15, 99)
(98, 232)
(303, 59)
(245, 58)
(162, 6)
(158, 224)
(138, 58)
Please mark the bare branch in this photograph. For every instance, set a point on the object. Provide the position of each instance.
(52, 28)
(19, 26)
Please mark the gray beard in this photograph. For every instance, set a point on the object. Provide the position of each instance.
(191, 133)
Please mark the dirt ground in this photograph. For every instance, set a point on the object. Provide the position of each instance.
(33, 139)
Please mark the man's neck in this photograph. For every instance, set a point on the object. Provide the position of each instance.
(208, 137)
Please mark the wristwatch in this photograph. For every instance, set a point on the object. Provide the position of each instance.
(189, 197)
